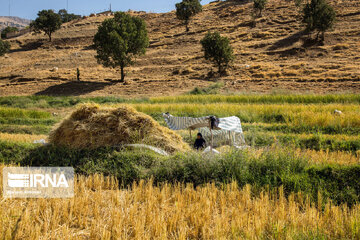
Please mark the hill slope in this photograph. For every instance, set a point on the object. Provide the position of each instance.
(269, 57)
(13, 22)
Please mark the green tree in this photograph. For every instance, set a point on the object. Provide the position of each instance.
(259, 6)
(4, 47)
(119, 40)
(318, 16)
(186, 9)
(47, 21)
(218, 50)
(8, 30)
(67, 17)
(298, 3)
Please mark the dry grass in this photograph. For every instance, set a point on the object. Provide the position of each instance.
(100, 210)
(328, 157)
(25, 138)
(91, 126)
(273, 44)
(341, 46)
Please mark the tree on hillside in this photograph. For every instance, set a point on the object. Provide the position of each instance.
(218, 50)
(186, 9)
(4, 47)
(67, 17)
(259, 6)
(318, 16)
(47, 21)
(8, 30)
(298, 3)
(119, 40)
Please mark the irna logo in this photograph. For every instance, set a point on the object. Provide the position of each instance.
(37, 180)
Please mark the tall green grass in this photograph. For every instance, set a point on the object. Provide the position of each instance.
(286, 128)
(17, 116)
(21, 113)
(263, 99)
(25, 129)
(315, 141)
(270, 169)
(37, 121)
(56, 102)
(27, 121)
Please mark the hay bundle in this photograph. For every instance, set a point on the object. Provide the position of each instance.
(91, 126)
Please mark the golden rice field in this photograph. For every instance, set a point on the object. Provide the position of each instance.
(24, 138)
(100, 210)
(328, 157)
(297, 115)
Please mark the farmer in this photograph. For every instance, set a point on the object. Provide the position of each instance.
(78, 74)
(200, 142)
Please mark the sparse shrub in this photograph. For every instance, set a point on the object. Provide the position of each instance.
(186, 9)
(319, 16)
(340, 46)
(47, 21)
(259, 75)
(4, 47)
(212, 89)
(262, 35)
(273, 74)
(298, 3)
(8, 30)
(259, 6)
(176, 72)
(297, 66)
(187, 70)
(290, 72)
(218, 50)
(119, 40)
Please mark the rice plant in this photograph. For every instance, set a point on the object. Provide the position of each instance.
(100, 210)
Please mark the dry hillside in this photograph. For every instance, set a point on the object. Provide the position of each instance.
(273, 56)
(13, 22)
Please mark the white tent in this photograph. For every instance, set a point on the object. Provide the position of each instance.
(217, 131)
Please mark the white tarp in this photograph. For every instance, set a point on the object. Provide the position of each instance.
(228, 131)
(155, 149)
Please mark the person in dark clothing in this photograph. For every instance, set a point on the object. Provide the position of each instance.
(78, 74)
(200, 142)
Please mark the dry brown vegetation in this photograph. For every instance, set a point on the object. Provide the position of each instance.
(90, 126)
(13, 22)
(28, 138)
(100, 210)
(272, 56)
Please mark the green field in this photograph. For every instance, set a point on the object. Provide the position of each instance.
(296, 141)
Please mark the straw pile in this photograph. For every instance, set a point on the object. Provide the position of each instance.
(91, 126)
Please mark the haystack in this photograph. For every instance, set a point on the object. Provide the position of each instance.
(91, 126)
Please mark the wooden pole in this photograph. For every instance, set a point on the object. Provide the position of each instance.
(230, 140)
(212, 139)
(190, 133)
